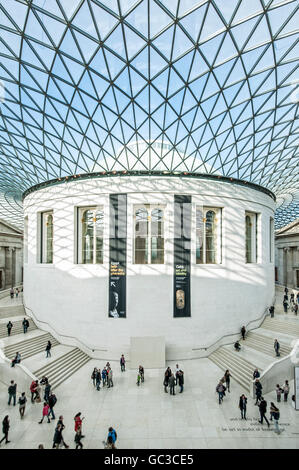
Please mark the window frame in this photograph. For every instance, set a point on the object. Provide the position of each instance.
(149, 207)
(254, 219)
(79, 245)
(44, 253)
(218, 216)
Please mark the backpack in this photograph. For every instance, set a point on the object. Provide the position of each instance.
(276, 415)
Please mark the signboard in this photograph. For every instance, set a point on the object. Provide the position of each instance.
(182, 241)
(117, 255)
(296, 387)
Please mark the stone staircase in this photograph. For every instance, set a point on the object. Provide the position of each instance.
(241, 370)
(16, 329)
(265, 344)
(62, 368)
(289, 327)
(30, 346)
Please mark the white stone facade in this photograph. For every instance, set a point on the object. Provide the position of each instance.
(73, 298)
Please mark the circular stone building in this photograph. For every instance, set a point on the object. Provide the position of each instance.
(121, 254)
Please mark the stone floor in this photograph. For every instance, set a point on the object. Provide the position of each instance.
(146, 417)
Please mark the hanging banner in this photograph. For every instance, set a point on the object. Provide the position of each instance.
(117, 255)
(182, 253)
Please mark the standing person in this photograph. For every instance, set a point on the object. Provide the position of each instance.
(78, 423)
(12, 292)
(48, 349)
(109, 444)
(25, 324)
(22, 403)
(177, 369)
(181, 380)
(263, 410)
(47, 391)
(274, 411)
(112, 433)
(57, 437)
(227, 377)
(172, 384)
(122, 363)
(286, 290)
(110, 378)
(17, 292)
(276, 348)
(46, 408)
(285, 306)
(98, 379)
(271, 310)
(286, 389)
(243, 406)
(33, 388)
(9, 327)
(256, 374)
(279, 391)
(94, 376)
(296, 309)
(5, 429)
(220, 390)
(138, 378)
(52, 402)
(141, 372)
(78, 437)
(243, 332)
(104, 376)
(60, 423)
(16, 360)
(258, 391)
(12, 392)
(166, 379)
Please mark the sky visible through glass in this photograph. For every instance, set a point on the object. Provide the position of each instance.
(178, 85)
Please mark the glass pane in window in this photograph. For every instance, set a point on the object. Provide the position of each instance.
(248, 239)
(157, 237)
(49, 242)
(99, 230)
(141, 236)
(87, 237)
(199, 236)
(211, 237)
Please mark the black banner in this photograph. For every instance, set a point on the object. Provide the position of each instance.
(117, 255)
(181, 257)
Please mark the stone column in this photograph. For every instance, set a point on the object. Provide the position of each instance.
(8, 267)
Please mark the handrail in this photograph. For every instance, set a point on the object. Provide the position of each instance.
(61, 335)
(232, 334)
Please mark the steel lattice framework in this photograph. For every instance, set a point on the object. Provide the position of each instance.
(180, 85)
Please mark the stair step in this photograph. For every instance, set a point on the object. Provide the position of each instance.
(56, 384)
(53, 364)
(30, 347)
(16, 329)
(63, 370)
(235, 377)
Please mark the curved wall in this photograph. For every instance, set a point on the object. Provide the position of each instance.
(73, 298)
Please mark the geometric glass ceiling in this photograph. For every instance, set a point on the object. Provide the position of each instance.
(179, 85)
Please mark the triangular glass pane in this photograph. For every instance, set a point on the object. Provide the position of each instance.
(115, 65)
(171, 5)
(158, 19)
(55, 29)
(17, 11)
(126, 5)
(75, 70)
(278, 16)
(227, 8)
(87, 46)
(143, 99)
(199, 66)
(105, 22)
(247, 8)
(12, 40)
(192, 23)
(211, 87)
(164, 42)
(210, 49)
(138, 18)
(46, 54)
(116, 42)
(157, 62)
(227, 50)
(141, 62)
(123, 81)
(242, 32)
(236, 74)
(181, 43)
(260, 35)
(121, 100)
(175, 82)
(212, 24)
(69, 7)
(69, 46)
(133, 42)
(287, 45)
(84, 21)
(182, 66)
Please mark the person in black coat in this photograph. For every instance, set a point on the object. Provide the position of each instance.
(180, 377)
(48, 349)
(243, 331)
(167, 376)
(243, 406)
(9, 327)
(258, 391)
(263, 409)
(57, 437)
(5, 429)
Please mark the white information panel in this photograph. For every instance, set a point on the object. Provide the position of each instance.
(297, 388)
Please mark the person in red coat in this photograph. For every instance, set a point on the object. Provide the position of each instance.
(78, 423)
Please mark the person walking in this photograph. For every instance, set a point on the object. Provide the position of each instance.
(279, 391)
(12, 392)
(276, 348)
(243, 406)
(227, 377)
(12, 292)
(263, 410)
(122, 362)
(141, 372)
(78, 437)
(274, 413)
(285, 306)
(25, 324)
(112, 433)
(52, 400)
(94, 376)
(48, 349)
(9, 327)
(78, 423)
(46, 409)
(47, 392)
(271, 310)
(22, 404)
(243, 332)
(258, 391)
(5, 429)
(286, 389)
(220, 390)
(110, 378)
(33, 390)
(98, 379)
(181, 380)
(109, 444)
(256, 374)
(172, 384)
(166, 379)
(16, 360)
(60, 423)
(104, 376)
(57, 439)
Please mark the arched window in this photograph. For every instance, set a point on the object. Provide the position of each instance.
(91, 235)
(47, 237)
(208, 235)
(149, 234)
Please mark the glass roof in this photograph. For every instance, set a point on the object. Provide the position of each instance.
(179, 85)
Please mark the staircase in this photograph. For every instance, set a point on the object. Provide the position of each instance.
(62, 368)
(265, 344)
(16, 329)
(241, 370)
(289, 327)
(30, 346)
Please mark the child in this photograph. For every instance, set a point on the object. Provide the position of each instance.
(138, 378)
(45, 412)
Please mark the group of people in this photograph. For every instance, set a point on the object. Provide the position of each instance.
(15, 292)
(294, 301)
(25, 324)
(105, 376)
(172, 379)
